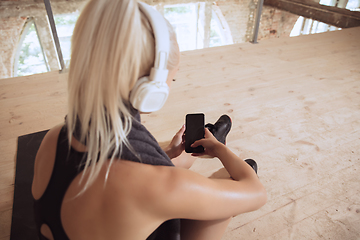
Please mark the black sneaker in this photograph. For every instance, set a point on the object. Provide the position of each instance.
(221, 128)
(252, 164)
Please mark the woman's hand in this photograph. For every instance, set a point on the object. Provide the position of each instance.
(177, 144)
(211, 145)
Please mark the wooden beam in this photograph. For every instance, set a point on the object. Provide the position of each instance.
(337, 17)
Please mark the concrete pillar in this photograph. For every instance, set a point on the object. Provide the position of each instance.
(10, 31)
(251, 20)
(160, 8)
(207, 25)
(342, 3)
(200, 23)
(236, 15)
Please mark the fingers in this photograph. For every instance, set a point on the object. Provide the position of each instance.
(181, 134)
(208, 135)
(198, 154)
(182, 130)
(196, 143)
(210, 144)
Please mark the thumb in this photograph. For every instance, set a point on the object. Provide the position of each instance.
(181, 131)
(200, 141)
(197, 143)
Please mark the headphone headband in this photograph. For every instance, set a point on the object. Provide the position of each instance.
(162, 42)
(150, 92)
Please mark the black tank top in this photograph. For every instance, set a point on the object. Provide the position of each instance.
(68, 164)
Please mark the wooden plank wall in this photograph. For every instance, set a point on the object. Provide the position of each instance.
(295, 106)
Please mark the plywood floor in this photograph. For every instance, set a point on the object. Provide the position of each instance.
(295, 106)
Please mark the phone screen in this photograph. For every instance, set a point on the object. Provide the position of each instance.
(194, 131)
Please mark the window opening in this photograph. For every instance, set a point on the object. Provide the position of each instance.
(29, 58)
(353, 5)
(182, 17)
(304, 26)
(188, 21)
(65, 25)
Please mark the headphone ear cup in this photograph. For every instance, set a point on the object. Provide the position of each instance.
(135, 93)
(149, 96)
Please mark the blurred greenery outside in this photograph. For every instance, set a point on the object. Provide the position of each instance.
(31, 57)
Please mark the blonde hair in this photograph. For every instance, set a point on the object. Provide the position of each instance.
(112, 46)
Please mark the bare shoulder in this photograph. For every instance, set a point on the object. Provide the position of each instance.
(44, 161)
(50, 139)
(171, 192)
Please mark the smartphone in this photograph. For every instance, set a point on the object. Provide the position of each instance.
(195, 130)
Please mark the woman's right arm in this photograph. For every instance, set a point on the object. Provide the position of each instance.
(186, 194)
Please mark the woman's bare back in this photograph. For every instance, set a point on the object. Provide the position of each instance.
(116, 209)
(137, 197)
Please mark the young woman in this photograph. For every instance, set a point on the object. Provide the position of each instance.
(101, 174)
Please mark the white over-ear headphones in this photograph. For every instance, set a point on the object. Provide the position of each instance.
(150, 92)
